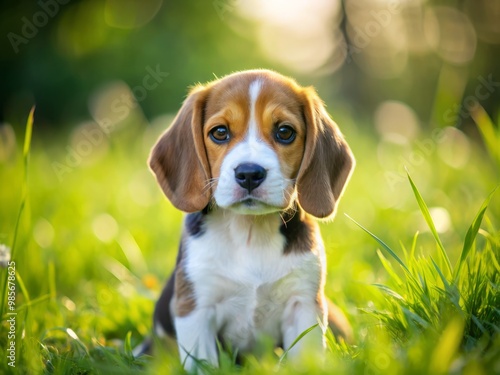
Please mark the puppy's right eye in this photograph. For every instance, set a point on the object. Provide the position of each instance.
(285, 134)
(219, 134)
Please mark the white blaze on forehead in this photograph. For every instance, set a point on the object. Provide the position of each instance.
(252, 149)
(253, 91)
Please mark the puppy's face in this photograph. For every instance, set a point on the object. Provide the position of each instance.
(253, 142)
(254, 134)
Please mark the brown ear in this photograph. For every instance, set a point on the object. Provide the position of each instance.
(327, 163)
(179, 158)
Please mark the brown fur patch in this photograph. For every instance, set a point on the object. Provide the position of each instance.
(185, 301)
(299, 230)
(179, 158)
(327, 164)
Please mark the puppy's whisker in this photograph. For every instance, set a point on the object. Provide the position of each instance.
(210, 183)
(283, 219)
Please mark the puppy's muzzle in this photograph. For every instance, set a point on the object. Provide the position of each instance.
(249, 176)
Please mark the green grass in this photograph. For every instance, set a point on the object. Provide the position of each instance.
(93, 249)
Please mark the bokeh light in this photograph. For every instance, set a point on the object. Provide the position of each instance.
(304, 37)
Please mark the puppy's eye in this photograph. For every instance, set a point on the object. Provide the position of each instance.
(285, 134)
(219, 134)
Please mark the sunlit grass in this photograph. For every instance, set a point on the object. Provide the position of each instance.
(94, 249)
(432, 299)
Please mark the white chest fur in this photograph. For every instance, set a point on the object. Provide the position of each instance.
(241, 274)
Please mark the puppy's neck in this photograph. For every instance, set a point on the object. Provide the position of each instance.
(252, 230)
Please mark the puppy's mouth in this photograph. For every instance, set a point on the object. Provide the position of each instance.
(253, 206)
(250, 202)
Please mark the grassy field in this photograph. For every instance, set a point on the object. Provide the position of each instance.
(93, 239)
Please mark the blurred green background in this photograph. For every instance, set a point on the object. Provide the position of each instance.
(414, 85)
(60, 54)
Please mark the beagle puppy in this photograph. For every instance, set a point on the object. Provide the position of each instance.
(252, 158)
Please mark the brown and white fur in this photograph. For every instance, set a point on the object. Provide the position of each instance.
(252, 158)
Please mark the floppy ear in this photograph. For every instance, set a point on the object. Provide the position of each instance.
(327, 163)
(179, 159)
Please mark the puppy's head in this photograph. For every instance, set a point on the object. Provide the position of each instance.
(254, 142)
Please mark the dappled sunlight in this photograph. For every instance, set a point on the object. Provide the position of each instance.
(396, 122)
(455, 149)
(451, 34)
(440, 216)
(140, 191)
(485, 15)
(115, 103)
(105, 227)
(88, 144)
(377, 38)
(43, 233)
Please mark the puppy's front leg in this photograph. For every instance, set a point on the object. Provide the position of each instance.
(300, 315)
(196, 338)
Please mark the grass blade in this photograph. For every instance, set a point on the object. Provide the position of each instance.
(389, 291)
(451, 291)
(430, 223)
(283, 356)
(415, 318)
(413, 247)
(472, 233)
(29, 131)
(127, 346)
(24, 196)
(441, 276)
(388, 267)
(486, 127)
(382, 243)
(23, 288)
(26, 154)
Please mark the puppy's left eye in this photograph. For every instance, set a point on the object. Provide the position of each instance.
(285, 134)
(219, 134)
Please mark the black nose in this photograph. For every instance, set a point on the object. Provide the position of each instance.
(249, 176)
